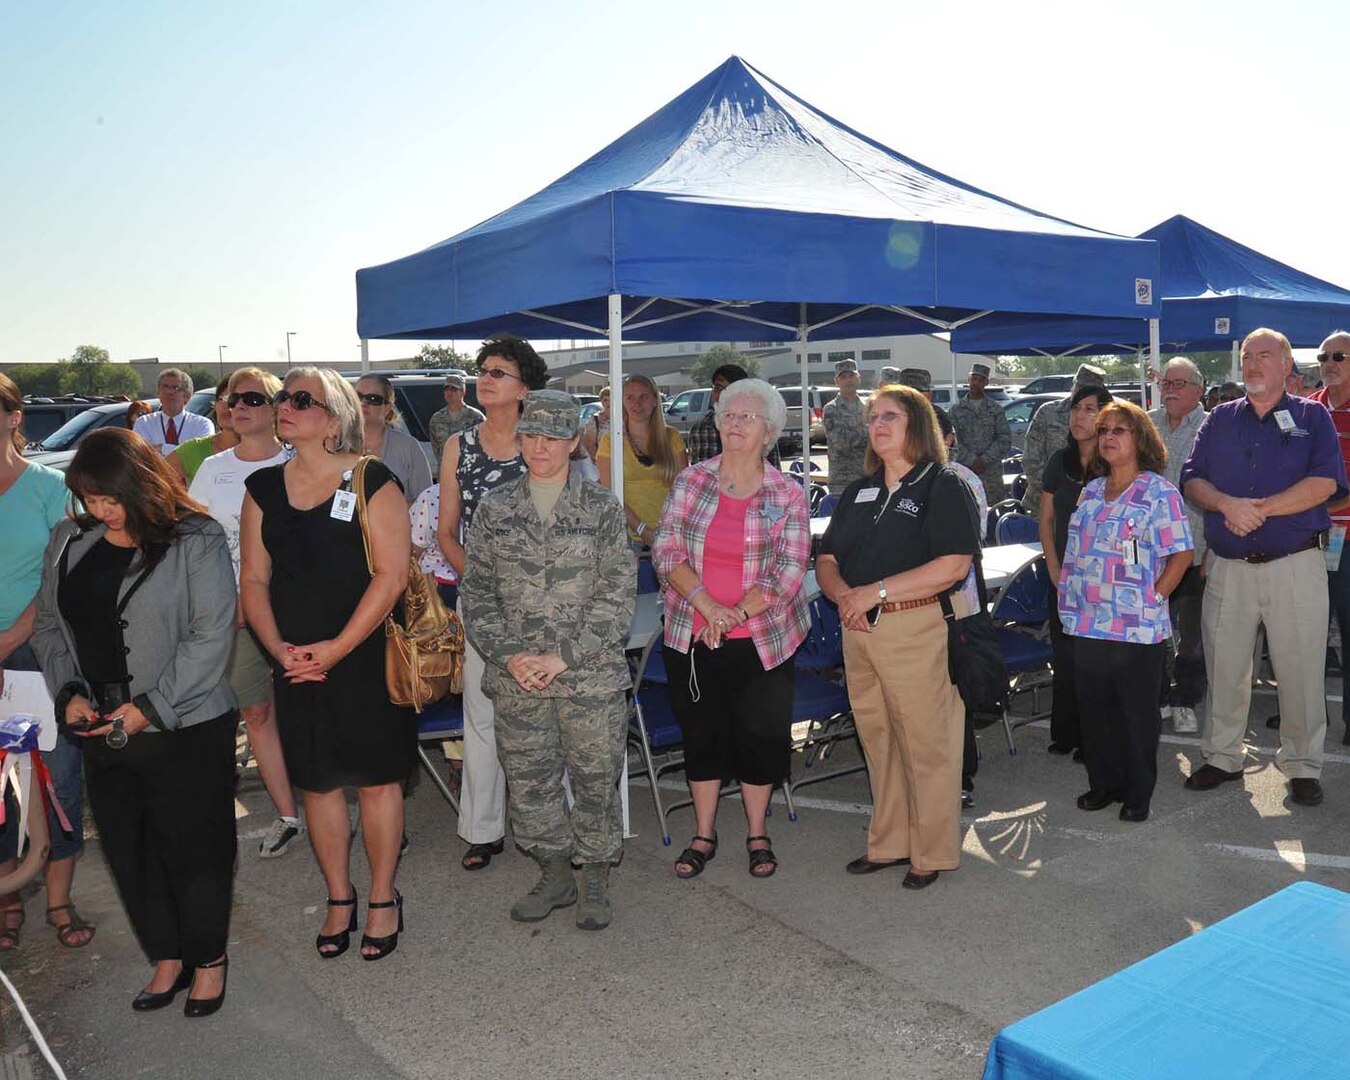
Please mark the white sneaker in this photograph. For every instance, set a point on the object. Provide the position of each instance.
(279, 837)
(1166, 711)
(1184, 721)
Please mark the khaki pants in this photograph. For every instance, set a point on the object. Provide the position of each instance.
(910, 723)
(1288, 596)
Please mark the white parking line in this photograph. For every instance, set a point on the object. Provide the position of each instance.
(1285, 851)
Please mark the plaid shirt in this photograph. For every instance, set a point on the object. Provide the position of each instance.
(777, 546)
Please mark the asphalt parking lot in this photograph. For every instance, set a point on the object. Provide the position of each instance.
(812, 972)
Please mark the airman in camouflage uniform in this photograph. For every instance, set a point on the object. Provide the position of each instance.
(1049, 433)
(845, 420)
(547, 599)
(983, 437)
(444, 423)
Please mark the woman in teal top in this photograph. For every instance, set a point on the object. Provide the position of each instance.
(33, 498)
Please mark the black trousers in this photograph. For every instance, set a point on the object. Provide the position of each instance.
(1064, 722)
(1184, 679)
(736, 717)
(164, 805)
(1118, 705)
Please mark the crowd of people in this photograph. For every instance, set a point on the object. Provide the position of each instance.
(176, 581)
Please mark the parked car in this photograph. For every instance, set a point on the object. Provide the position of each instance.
(42, 415)
(1020, 410)
(1049, 384)
(942, 394)
(818, 397)
(687, 408)
(418, 398)
(58, 449)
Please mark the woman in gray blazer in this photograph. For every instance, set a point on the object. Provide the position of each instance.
(134, 622)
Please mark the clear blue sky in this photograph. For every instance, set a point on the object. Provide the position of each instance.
(179, 176)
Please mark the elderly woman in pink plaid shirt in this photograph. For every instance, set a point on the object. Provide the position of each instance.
(732, 551)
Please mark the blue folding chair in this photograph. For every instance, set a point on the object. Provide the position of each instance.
(647, 581)
(997, 512)
(1018, 529)
(1021, 614)
(1019, 487)
(826, 507)
(439, 721)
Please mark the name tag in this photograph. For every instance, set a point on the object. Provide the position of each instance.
(1285, 421)
(344, 505)
(867, 495)
(1129, 549)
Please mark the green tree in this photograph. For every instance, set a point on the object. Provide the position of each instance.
(205, 378)
(85, 370)
(701, 372)
(38, 380)
(442, 356)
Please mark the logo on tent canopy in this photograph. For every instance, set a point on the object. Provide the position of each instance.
(1221, 327)
(1143, 290)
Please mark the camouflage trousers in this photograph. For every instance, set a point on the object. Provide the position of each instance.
(538, 739)
(992, 480)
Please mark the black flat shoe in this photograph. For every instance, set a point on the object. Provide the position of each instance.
(863, 865)
(331, 946)
(1098, 800)
(1061, 748)
(383, 946)
(148, 1001)
(763, 862)
(1134, 814)
(915, 880)
(479, 856)
(196, 1008)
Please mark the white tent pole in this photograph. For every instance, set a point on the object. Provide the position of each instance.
(1235, 369)
(365, 355)
(955, 399)
(802, 333)
(616, 394)
(1155, 354)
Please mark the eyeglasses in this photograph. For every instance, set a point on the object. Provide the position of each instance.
(373, 399)
(171, 388)
(301, 400)
(884, 418)
(737, 419)
(498, 373)
(1176, 384)
(251, 398)
(1336, 357)
(1118, 432)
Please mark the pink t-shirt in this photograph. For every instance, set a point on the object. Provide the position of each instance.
(724, 559)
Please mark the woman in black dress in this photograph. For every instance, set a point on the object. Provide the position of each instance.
(319, 613)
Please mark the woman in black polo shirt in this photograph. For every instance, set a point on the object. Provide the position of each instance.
(900, 537)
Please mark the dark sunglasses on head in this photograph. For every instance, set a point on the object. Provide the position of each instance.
(498, 373)
(1337, 357)
(251, 398)
(373, 399)
(300, 400)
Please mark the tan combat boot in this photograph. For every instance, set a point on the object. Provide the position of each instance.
(554, 889)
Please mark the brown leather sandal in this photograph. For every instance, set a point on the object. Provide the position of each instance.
(66, 932)
(9, 930)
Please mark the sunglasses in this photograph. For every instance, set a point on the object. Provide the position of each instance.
(498, 373)
(1337, 357)
(1118, 432)
(373, 399)
(300, 400)
(251, 398)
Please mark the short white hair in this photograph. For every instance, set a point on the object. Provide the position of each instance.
(1188, 366)
(184, 379)
(770, 401)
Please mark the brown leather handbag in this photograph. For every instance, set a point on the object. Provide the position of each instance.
(423, 657)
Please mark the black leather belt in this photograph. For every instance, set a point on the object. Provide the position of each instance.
(110, 695)
(1315, 542)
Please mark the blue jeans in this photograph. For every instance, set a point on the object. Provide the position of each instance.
(66, 764)
(1338, 589)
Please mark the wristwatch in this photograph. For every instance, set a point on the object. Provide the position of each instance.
(881, 589)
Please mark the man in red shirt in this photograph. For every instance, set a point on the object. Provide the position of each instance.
(1334, 360)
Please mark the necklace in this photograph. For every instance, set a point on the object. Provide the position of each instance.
(645, 460)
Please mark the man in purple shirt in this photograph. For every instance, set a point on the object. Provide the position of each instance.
(1263, 468)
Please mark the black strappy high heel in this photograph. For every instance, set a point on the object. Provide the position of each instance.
(387, 944)
(340, 941)
(196, 1008)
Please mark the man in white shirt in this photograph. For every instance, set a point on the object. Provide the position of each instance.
(172, 424)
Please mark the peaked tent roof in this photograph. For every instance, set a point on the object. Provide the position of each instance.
(1215, 291)
(729, 207)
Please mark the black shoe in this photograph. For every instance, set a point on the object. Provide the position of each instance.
(1305, 791)
(1098, 800)
(195, 1008)
(694, 859)
(479, 856)
(383, 946)
(863, 865)
(1134, 813)
(331, 946)
(967, 799)
(1208, 777)
(147, 1001)
(1061, 748)
(1273, 722)
(1078, 754)
(914, 880)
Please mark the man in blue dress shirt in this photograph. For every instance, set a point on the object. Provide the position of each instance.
(1263, 468)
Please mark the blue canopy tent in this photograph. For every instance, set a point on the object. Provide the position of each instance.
(738, 209)
(1215, 291)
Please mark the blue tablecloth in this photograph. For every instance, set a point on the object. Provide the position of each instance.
(1264, 993)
